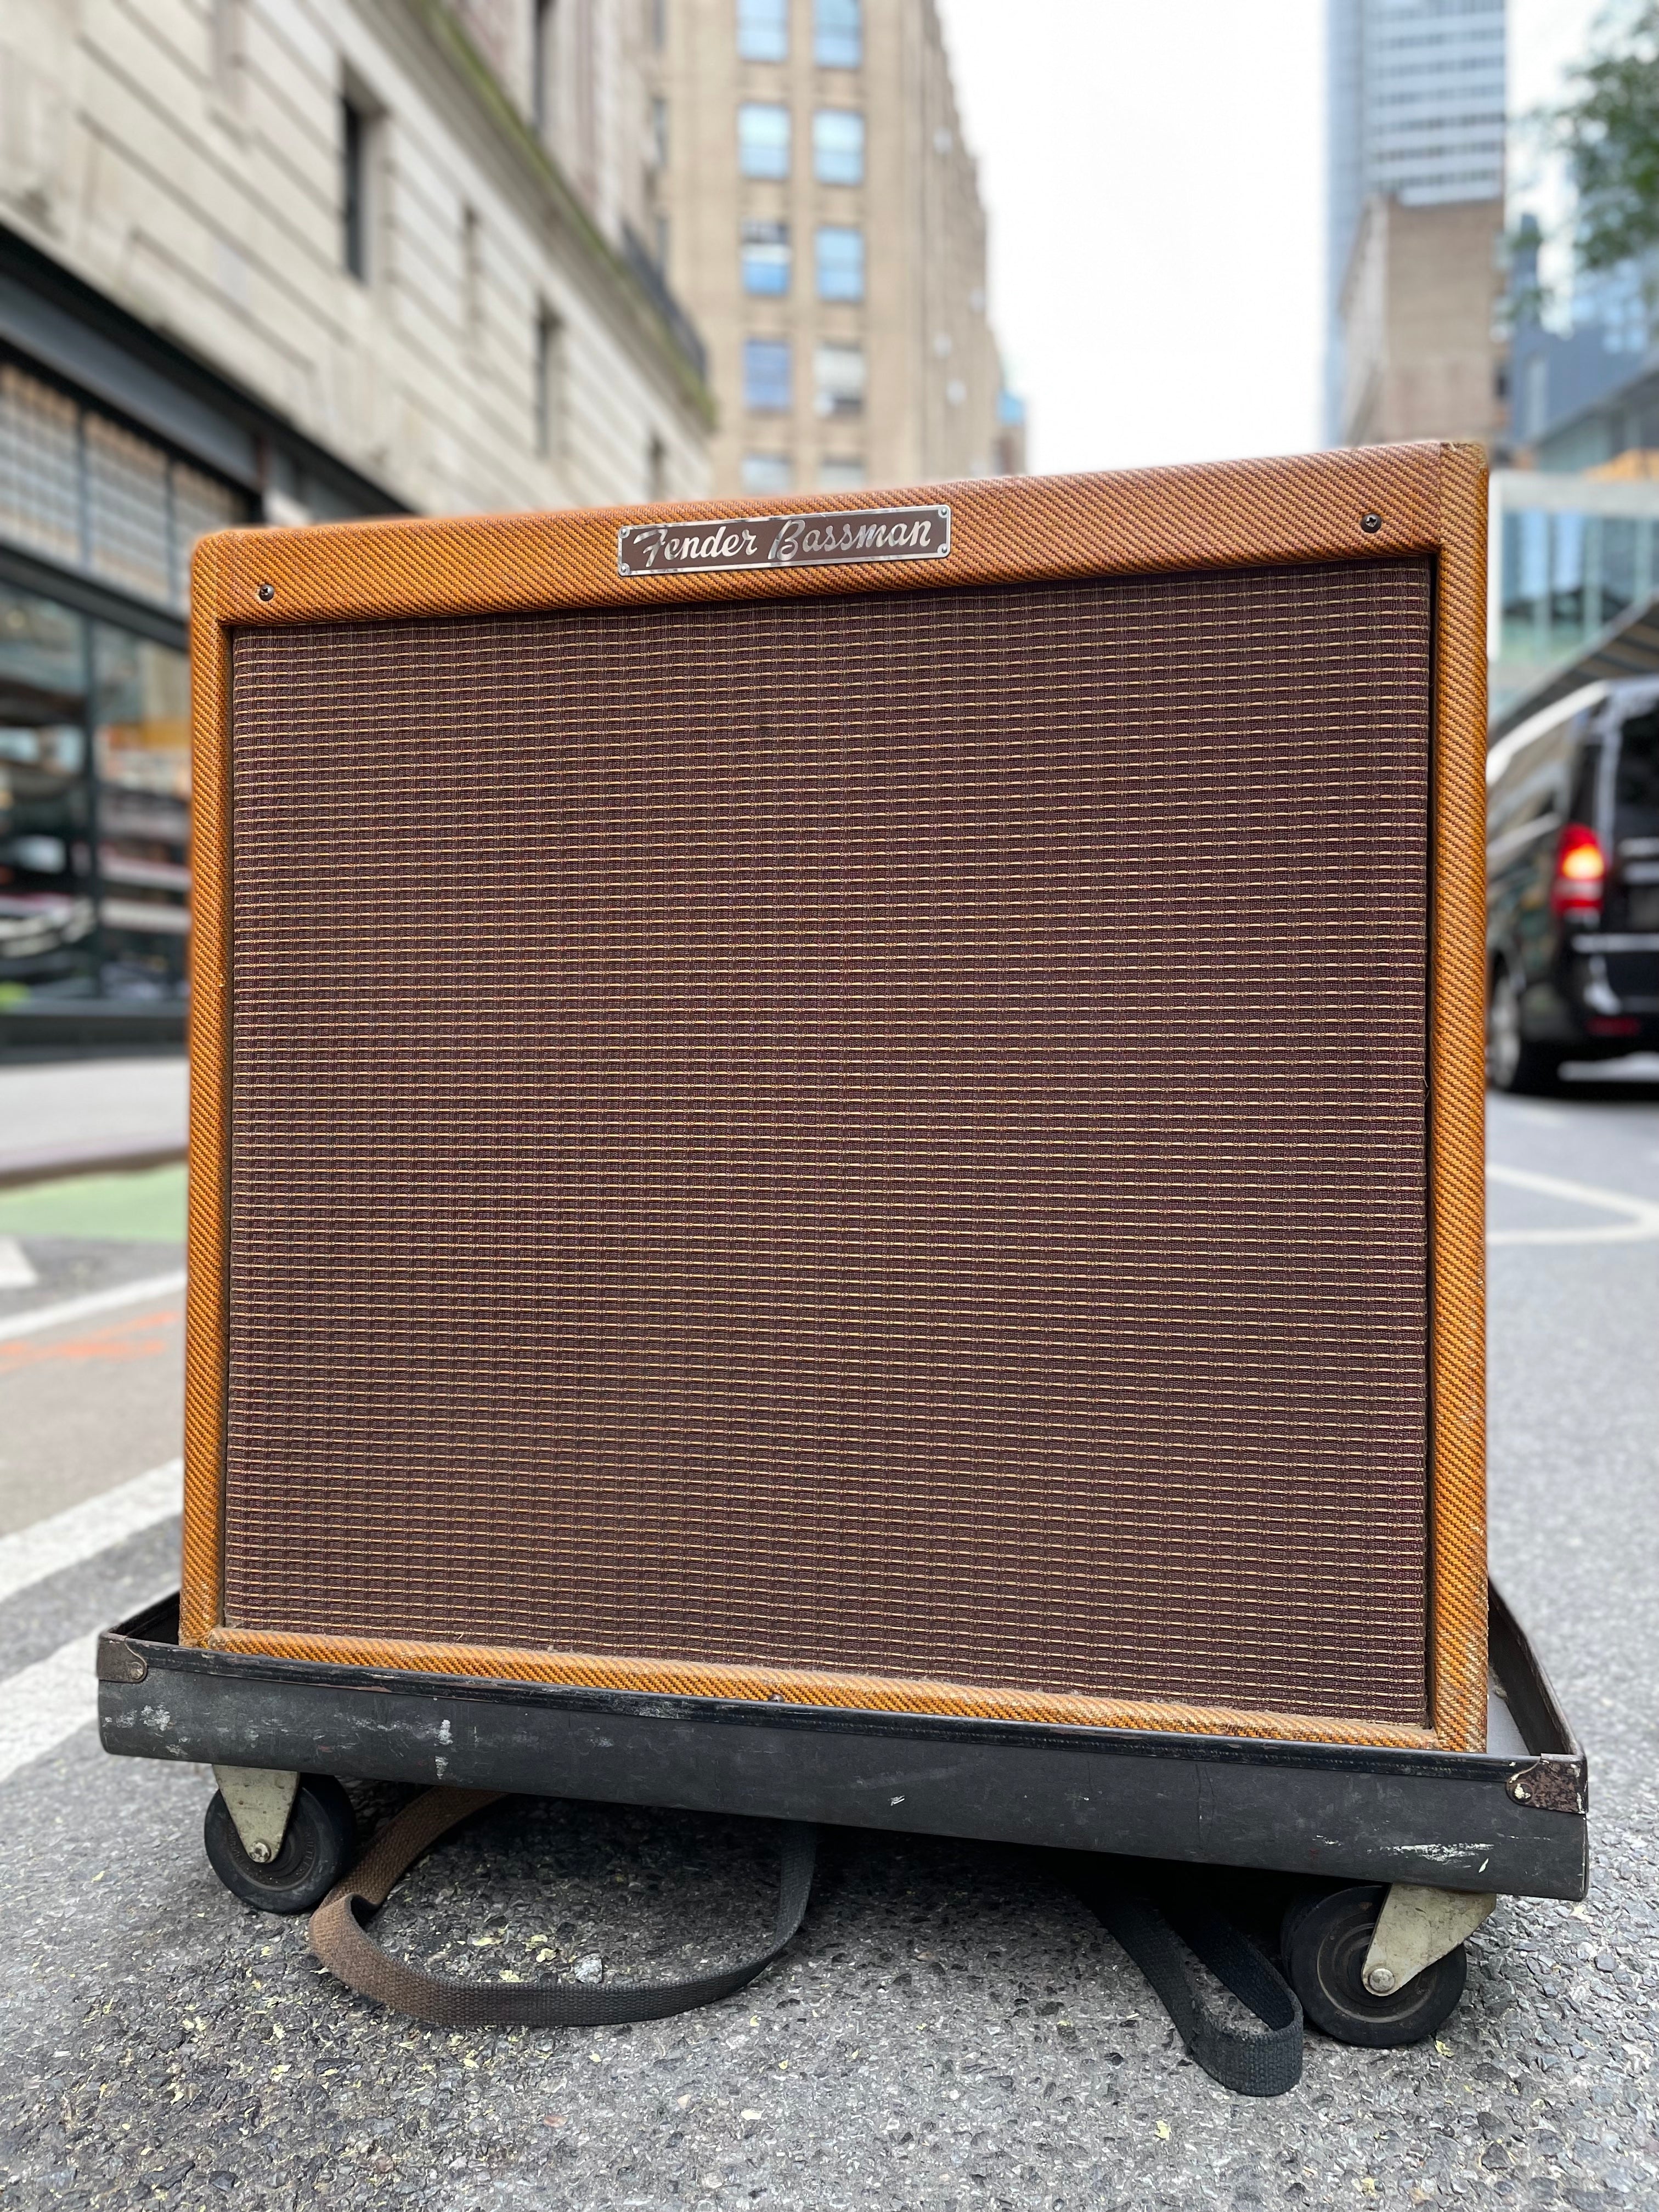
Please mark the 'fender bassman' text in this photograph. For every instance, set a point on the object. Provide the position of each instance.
(785, 541)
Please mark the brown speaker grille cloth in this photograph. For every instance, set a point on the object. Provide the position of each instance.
(883, 1134)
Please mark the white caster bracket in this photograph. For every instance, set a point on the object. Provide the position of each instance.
(1415, 1928)
(259, 1799)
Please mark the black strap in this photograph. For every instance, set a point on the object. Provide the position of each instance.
(339, 1939)
(1257, 2064)
(1263, 2064)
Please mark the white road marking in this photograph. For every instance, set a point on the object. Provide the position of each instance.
(95, 1301)
(81, 1532)
(48, 1702)
(1639, 1226)
(17, 1268)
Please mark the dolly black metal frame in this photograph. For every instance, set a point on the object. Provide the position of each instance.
(1511, 1819)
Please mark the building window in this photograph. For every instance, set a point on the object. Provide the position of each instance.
(660, 135)
(94, 806)
(127, 503)
(766, 375)
(550, 378)
(840, 472)
(763, 30)
(1535, 408)
(541, 67)
(838, 379)
(141, 764)
(356, 129)
(838, 33)
(227, 32)
(841, 262)
(40, 487)
(87, 493)
(659, 24)
(838, 146)
(93, 836)
(762, 139)
(767, 472)
(766, 259)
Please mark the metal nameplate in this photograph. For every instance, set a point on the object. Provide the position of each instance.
(784, 541)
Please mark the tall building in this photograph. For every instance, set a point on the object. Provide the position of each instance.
(269, 261)
(1415, 115)
(819, 213)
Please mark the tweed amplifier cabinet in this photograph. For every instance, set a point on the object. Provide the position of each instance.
(874, 1106)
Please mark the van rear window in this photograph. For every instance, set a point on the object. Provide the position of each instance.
(1636, 785)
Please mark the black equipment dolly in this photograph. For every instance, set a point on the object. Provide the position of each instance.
(1399, 1853)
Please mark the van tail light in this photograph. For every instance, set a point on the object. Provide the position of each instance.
(1580, 874)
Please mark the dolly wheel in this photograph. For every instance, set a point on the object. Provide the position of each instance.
(318, 1848)
(1323, 1943)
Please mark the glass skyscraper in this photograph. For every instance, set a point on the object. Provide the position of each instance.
(1416, 108)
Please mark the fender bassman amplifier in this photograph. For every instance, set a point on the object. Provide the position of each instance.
(873, 1107)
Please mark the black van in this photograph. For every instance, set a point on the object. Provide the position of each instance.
(1572, 885)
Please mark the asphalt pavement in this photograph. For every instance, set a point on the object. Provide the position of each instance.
(953, 2029)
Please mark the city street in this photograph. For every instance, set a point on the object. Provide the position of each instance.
(951, 2028)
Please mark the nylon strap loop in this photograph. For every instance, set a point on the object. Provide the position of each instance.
(1256, 2064)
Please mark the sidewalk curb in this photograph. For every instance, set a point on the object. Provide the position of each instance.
(87, 1160)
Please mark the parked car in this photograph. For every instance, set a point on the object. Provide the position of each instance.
(1572, 885)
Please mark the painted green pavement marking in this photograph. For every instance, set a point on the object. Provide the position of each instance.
(145, 1208)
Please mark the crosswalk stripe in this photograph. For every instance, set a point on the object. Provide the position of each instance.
(81, 1531)
(48, 1702)
(17, 1268)
(95, 1302)
(1639, 1225)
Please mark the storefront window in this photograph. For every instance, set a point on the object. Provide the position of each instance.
(94, 847)
(47, 907)
(141, 743)
(95, 716)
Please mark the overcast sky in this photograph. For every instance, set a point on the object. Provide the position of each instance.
(1154, 174)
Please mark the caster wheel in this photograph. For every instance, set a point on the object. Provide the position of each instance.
(318, 1849)
(1323, 1944)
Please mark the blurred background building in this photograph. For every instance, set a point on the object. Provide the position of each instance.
(1574, 513)
(818, 212)
(1438, 327)
(262, 260)
(1567, 356)
(266, 260)
(1415, 135)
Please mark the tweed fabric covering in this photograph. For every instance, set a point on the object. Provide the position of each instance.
(883, 1134)
(1457, 1146)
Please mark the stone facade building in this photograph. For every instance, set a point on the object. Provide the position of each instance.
(410, 230)
(819, 213)
(274, 260)
(1421, 353)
